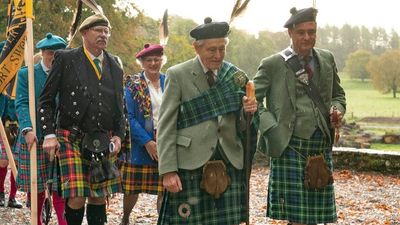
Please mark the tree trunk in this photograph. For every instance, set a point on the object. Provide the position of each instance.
(394, 88)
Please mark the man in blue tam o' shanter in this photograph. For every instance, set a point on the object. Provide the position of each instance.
(301, 88)
(47, 46)
(199, 134)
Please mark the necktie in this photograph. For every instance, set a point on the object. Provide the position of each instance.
(98, 64)
(210, 78)
(307, 67)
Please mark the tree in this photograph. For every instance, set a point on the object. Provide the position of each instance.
(356, 64)
(394, 40)
(385, 71)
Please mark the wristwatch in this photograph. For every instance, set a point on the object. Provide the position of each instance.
(26, 130)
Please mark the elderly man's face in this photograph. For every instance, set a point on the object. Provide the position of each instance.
(211, 52)
(303, 37)
(96, 37)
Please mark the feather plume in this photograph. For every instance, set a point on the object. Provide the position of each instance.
(94, 6)
(163, 29)
(238, 9)
(75, 22)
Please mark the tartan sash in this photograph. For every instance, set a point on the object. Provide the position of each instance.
(224, 97)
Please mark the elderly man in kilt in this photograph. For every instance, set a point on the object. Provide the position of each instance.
(47, 46)
(199, 134)
(304, 102)
(81, 115)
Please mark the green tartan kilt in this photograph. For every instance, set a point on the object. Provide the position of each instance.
(140, 179)
(3, 153)
(287, 197)
(75, 176)
(204, 209)
(24, 163)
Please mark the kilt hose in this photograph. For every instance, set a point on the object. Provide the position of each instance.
(201, 208)
(288, 199)
(140, 179)
(75, 171)
(24, 164)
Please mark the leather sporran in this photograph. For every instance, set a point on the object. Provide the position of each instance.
(215, 179)
(317, 174)
(96, 149)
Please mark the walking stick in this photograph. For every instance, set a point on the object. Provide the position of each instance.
(247, 157)
(48, 203)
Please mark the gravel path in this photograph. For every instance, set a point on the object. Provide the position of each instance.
(363, 198)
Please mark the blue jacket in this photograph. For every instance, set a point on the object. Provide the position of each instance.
(22, 99)
(141, 129)
(7, 108)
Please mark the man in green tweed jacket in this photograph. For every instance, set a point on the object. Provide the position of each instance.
(293, 126)
(200, 123)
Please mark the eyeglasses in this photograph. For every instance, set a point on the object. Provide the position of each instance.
(102, 30)
(150, 60)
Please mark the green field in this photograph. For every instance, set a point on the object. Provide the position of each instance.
(364, 101)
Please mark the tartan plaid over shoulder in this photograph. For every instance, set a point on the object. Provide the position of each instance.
(224, 97)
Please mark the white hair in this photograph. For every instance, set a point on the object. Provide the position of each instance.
(201, 42)
(164, 59)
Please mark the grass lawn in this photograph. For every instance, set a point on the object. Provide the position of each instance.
(364, 101)
(386, 147)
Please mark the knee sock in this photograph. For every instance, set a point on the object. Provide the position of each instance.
(96, 214)
(13, 184)
(74, 216)
(59, 205)
(40, 200)
(3, 174)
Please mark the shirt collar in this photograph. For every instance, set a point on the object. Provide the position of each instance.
(100, 57)
(205, 69)
(301, 57)
(44, 67)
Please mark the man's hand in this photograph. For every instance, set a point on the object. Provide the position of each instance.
(335, 117)
(249, 105)
(51, 144)
(151, 148)
(117, 144)
(30, 138)
(172, 182)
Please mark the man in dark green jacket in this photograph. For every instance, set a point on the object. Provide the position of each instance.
(296, 123)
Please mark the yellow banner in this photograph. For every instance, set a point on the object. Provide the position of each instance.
(29, 8)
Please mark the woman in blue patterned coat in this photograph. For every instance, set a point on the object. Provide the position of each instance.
(143, 95)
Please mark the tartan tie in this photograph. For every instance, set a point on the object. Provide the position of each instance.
(98, 65)
(210, 78)
(307, 67)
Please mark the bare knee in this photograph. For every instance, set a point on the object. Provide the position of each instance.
(76, 202)
(96, 201)
(3, 163)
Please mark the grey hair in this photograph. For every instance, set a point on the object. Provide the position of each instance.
(199, 43)
(164, 59)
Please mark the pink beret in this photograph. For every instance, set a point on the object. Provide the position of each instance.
(150, 50)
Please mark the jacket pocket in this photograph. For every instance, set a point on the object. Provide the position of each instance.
(183, 141)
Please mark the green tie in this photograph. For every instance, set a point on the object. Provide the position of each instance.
(98, 65)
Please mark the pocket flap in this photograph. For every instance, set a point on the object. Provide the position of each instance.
(182, 140)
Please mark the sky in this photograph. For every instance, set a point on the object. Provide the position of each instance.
(271, 15)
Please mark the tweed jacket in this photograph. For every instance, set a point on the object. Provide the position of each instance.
(137, 122)
(190, 148)
(22, 98)
(70, 79)
(275, 82)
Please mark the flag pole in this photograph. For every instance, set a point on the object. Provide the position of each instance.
(10, 156)
(32, 107)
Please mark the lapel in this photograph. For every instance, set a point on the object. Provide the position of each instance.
(320, 65)
(290, 79)
(199, 78)
(79, 61)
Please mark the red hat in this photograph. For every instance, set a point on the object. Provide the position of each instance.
(150, 50)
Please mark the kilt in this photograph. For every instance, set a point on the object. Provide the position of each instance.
(287, 197)
(24, 163)
(75, 171)
(204, 209)
(3, 153)
(140, 179)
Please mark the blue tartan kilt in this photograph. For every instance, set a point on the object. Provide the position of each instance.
(288, 199)
(203, 208)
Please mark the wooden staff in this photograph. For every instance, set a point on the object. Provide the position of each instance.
(10, 156)
(32, 107)
(250, 93)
